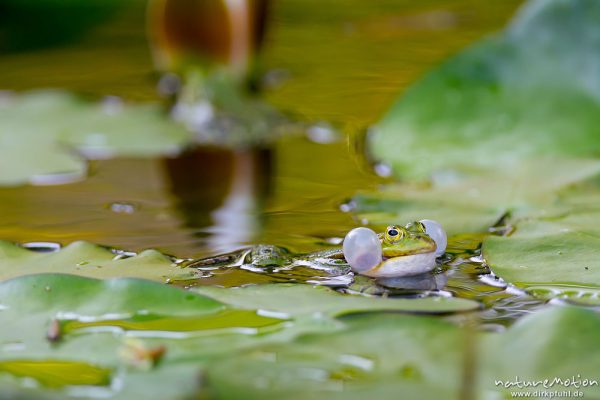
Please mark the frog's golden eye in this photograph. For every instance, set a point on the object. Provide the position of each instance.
(416, 227)
(393, 234)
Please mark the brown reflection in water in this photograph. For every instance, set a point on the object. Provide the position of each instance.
(221, 192)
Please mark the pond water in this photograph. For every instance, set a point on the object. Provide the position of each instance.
(336, 65)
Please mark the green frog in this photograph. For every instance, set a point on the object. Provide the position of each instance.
(399, 251)
(406, 251)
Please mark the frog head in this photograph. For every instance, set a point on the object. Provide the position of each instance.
(398, 241)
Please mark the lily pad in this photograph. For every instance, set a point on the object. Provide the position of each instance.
(300, 300)
(48, 325)
(50, 293)
(383, 356)
(558, 342)
(563, 250)
(45, 135)
(530, 91)
(380, 354)
(32, 347)
(87, 259)
(417, 357)
(473, 204)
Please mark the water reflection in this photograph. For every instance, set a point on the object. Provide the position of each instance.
(343, 64)
(220, 193)
(417, 282)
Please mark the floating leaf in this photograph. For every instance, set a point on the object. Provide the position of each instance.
(474, 204)
(29, 304)
(559, 342)
(383, 356)
(51, 293)
(556, 251)
(530, 91)
(305, 300)
(417, 357)
(86, 259)
(44, 135)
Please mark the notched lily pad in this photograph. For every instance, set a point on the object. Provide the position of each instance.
(554, 251)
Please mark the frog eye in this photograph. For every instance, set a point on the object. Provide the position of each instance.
(394, 234)
(416, 227)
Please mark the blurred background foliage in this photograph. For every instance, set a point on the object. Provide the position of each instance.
(341, 61)
(338, 60)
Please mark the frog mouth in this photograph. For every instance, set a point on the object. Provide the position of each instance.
(409, 252)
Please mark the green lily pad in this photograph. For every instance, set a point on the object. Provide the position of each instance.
(87, 259)
(298, 300)
(54, 292)
(45, 135)
(558, 342)
(49, 325)
(530, 91)
(382, 356)
(32, 347)
(476, 203)
(398, 356)
(402, 204)
(555, 251)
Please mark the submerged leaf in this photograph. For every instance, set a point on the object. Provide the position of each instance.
(54, 373)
